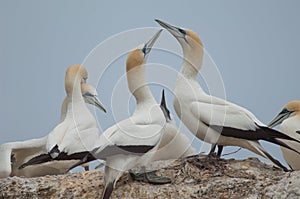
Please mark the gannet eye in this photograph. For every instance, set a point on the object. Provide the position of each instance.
(285, 111)
(146, 50)
(182, 31)
(84, 80)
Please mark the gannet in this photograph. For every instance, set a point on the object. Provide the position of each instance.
(77, 134)
(289, 120)
(14, 154)
(132, 138)
(212, 119)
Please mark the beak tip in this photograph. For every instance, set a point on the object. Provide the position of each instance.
(158, 21)
(101, 107)
(159, 32)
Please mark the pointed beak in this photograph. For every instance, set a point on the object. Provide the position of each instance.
(94, 100)
(148, 46)
(175, 31)
(284, 114)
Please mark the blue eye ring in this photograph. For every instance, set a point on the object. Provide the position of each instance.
(144, 50)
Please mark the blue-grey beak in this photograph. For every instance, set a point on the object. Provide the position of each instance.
(175, 31)
(148, 46)
(94, 100)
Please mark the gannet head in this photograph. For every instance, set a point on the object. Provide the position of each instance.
(289, 109)
(184, 36)
(90, 96)
(190, 42)
(139, 55)
(75, 73)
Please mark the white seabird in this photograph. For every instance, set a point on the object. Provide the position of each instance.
(289, 121)
(77, 134)
(14, 154)
(132, 138)
(212, 119)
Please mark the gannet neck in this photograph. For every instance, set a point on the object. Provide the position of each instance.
(188, 70)
(193, 58)
(137, 84)
(73, 90)
(135, 71)
(63, 110)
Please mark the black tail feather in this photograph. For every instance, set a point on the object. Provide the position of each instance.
(274, 136)
(279, 142)
(277, 134)
(276, 162)
(261, 133)
(84, 157)
(108, 189)
(37, 160)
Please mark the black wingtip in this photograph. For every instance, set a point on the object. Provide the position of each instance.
(274, 136)
(36, 160)
(163, 100)
(163, 106)
(277, 134)
(108, 190)
(41, 158)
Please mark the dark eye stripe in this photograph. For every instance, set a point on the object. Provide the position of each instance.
(182, 31)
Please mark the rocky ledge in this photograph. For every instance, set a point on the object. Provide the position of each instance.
(193, 177)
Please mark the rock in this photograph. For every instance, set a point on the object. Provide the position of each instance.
(193, 177)
(287, 187)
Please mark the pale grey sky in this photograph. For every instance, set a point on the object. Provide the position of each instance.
(255, 45)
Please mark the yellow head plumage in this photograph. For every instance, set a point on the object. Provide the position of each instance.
(293, 106)
(135, 58)
(191, 36)
(74, 74)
